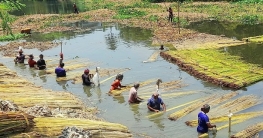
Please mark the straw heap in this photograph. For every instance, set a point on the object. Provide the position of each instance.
(13, 122)
(127, 88)
(190, 108)
(53, 127)
(250, 131)
(243, 117)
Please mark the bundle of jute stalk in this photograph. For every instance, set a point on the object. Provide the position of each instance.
(190, 108)
(13, 122)
(102, 73)
(247, 133)
(68, 68)
(243, 116)
(216, 67)
(212, 100)
(250, 131)
(127, 88)
(235, 105)
(53, 126)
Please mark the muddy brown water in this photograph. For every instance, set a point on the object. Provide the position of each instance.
(116, 46)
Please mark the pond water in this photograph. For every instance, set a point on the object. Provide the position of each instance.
(48, 7)
(231, 30)
(114, 46)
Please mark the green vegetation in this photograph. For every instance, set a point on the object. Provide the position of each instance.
(11, 37)
(220, 67)
(128, 13)
(6, 18)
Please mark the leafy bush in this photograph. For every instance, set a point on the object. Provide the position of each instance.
(249, 19)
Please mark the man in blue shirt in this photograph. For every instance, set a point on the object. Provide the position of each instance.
(203, 120)
(154, 103)
(60, 71)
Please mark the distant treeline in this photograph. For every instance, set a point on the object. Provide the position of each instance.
(240, 1)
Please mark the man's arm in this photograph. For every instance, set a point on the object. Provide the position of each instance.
(210, 125)
(164, 107)
(155, 110)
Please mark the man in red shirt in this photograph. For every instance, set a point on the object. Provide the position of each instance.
(31, 61)
(117, 83)
(133, 97)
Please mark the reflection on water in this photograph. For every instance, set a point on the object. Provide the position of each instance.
(86, 89)
(251, 52)
(47, 7)
(120, 99)
(63, 84)
(232, 30)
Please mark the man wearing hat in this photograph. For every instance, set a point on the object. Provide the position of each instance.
(86, 78)
(20, 57)
(154, 103)
(31, 61)
(133, 97)
(203, 120)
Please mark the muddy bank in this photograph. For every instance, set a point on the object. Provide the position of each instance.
(191, 70)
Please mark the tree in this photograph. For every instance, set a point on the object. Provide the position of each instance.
(6, 18)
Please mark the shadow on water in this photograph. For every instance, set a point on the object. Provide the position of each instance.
(232, 30)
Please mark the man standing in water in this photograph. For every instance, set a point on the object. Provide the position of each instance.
(41, 63)
(20, 57)
(171, 15)
(133, 97)
(60, 71)
(86, 78)
(75, 8)
(203, 120)
(154, 103)
(31, 61)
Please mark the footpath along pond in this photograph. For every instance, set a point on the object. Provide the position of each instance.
(114, 48)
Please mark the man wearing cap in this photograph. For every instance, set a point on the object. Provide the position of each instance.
(203, 120)
(86, 78)
(20, 57)
(60, 71)
(31, 61)
(133, 97)
(41, 63)
(154, 103)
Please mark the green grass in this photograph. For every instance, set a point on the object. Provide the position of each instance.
(124, 13)
(12, 37)
(220, 65)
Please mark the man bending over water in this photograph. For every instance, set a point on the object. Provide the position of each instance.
(133, 97)
(154, 103)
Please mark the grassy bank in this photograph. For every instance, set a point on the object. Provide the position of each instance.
(217, 67)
